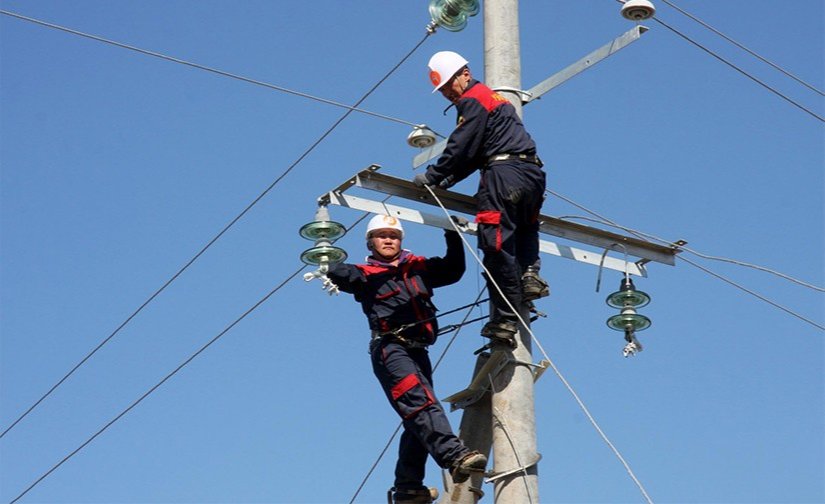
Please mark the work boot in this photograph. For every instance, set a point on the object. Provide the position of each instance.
(473, 462)
(533, 286)
(421, 495)
(502, 329)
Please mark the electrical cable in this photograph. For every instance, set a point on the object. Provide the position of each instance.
(648, 237)
(550, 362)
(221, 233)
(156, 386)
(171, 374)
(723, 60)
(731, 282)
(752, 293)
(699, 254)
(208, 69)
(454, 327)
(401, 424)
(740, 46)
(743, 72)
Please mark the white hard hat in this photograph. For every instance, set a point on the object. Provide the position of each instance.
(443, 65)
(384, 222)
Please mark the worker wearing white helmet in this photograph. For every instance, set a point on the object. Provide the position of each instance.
(384, 235)
(490, 137)
(395, 289)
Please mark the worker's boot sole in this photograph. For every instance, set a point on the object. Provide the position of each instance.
(500, 330)
(418, 496)
(533, 286)
(472, 463)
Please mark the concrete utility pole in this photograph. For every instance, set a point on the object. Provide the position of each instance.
(513, 409)
(498, 404)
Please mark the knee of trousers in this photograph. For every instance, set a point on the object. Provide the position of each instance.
(410, 396)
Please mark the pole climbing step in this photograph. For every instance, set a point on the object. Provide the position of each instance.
(503, 474)
(480, 383)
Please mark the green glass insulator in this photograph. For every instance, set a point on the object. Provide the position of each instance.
(623, 320)
(323, 254)
(624, 298)
(322, 230)
(447, 15)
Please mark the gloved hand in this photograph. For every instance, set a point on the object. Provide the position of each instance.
(447, 182)
(421, 180)
(460, 221)
(329, 286)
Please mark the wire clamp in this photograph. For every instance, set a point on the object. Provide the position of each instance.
(328, 285)
(633, 346)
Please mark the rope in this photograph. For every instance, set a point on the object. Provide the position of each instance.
(404, 327)
(544, 353)
(216, 237)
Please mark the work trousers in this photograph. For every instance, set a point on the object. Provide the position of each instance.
(510, 195)
(405, 375)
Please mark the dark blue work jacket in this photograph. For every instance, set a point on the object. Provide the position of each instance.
(487, 125)
(394, 296)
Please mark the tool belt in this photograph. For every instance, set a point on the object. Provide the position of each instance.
(528, 158)
(378, 337)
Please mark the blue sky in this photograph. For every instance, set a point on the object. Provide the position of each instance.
(118, 167)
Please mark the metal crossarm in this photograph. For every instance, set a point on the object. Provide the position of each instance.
(371, 179)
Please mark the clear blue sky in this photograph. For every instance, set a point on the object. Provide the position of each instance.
(118, 167)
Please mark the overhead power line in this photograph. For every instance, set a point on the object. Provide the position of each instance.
(157, 385)
(647, 237)
(206, 68)
(603, 220)
(219, 235)
(752, 53)
(170, 375)
(740, 70)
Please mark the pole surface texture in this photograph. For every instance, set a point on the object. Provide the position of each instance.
(513, 409)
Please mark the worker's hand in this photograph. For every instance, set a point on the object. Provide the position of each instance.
(421, 180)
(447, 182)
(461, 222)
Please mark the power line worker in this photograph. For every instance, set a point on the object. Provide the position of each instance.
(491, 137)
(395, 289)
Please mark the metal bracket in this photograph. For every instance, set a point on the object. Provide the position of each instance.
(540, 369)
(536, 369)
(524, 96)
(496, 476)
(480, 383)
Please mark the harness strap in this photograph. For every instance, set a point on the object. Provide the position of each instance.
(378, 336)
(529, 158)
